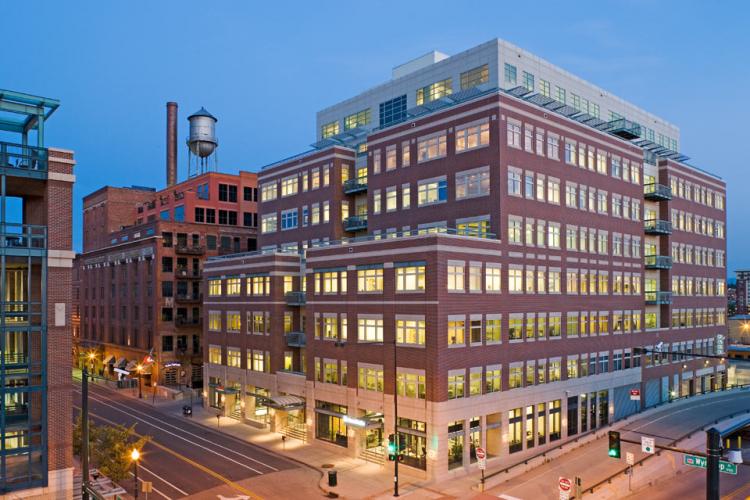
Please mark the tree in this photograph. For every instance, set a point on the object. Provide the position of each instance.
(110, 447)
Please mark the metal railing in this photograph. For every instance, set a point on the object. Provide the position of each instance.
(355, 223)
(655, 191)
(23, 236)
(182, 321)
(10, 358)
(189, 249)
(23, 157)
(657, 226)
(357, 185)
(407, 234)
(657, 298)
(295, 298)
(296, 339)
(188, 297)
(658, 261)
(184, 272)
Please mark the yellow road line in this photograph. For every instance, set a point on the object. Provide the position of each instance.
(182, 457)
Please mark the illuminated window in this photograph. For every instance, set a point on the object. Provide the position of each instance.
(410, 331)
(410, 278)
(214, 321)
(234, 286)
(429, 148)
(358, 119)
(370, 280)
(434, 91)
(233, 321)
(544, 88)
(233, 357)
(289, 185)
(432, 191)
(475, 76)
(214, 354)
(268, 223)
(456, 331)
(472, 136)
(329, 129)
(411, 385)
(371, 378)
(510, 74)
(214, 288)
(370, 329)
(268, 191)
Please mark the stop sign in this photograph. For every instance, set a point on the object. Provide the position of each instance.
(481, 455)
(565, 484)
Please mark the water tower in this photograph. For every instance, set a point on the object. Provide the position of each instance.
(202, 143)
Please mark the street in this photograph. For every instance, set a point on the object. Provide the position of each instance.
(590, 461)
(184, 459)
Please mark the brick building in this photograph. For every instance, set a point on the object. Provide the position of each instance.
(36, 184)
(491, 248)
(138, 287)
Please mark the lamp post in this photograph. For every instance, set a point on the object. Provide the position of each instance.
(135, 455)
(139, 369)
(92, 357)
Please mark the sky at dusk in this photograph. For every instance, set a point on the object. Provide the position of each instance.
(264, 69)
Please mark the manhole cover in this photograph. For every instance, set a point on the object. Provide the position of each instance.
(327, 466)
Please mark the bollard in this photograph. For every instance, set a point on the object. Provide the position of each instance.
(332, 479)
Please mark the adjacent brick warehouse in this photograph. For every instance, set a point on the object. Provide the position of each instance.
(496, 256)
(138, 287)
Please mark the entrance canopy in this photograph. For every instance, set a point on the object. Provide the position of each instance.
(287, 402)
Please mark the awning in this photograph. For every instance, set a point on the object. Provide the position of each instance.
(121, 362)
(286, 402)
(109, 359)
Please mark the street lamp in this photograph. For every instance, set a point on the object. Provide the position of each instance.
(135, 455)
(139, 369)
(92, 357)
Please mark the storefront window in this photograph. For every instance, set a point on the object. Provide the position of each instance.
(413, 442)
(475, 436)
(554, 420)
(573, 416)
(529, 426)
(330, 424)
(257, 402)
(584, 412)
(541, 428)
(603, 408)
(456, 444)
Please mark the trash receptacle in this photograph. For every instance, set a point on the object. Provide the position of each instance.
(332, 480)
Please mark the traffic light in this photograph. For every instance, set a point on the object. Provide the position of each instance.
(391, 447)
(614, 444)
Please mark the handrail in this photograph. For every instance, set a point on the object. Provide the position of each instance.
(23, 157)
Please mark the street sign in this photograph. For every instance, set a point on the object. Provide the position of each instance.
(629, 458)
(147, 486)
(647, 444)
(635, 394)
(700, 462)
(482, 458)
(564, 485)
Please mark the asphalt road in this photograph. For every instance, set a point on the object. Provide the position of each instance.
(184, 459)
(591, 463)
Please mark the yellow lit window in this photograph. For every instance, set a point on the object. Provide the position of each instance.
(329, 129)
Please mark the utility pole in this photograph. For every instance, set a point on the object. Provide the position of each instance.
(85, 432)
(713, 452)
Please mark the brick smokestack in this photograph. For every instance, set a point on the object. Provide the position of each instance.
(171, 144)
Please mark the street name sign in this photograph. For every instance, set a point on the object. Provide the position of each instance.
(629, 458)
(647, 444)
(700, 462)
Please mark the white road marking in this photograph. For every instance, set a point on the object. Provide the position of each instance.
(152, 487)
(186, 440)
(194, 435)
(164, 480)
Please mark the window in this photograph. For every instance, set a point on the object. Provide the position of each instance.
(410, 278)
(214, 354)
(514, 230)
(405, 196)
(492, 279)
(510, 74)
(431, 147)
(455, 276)
(227, 192)
(411, 385)
(268, 223)
(233, 321)
(432, 191)
(434, 91)
(358, 119)
(392, 111)
(473, 183)
(410, 330)
(203, 193)
(553, 191)
(544, 88)
(528, 81)
(456, 330)
(514, 134)
(179, 213)
(493, 328)
(370, 329)
(234, 286)
(472, 136)
(233, 357)
(289, 219)
(405, 154)
(214, 288)
(371, 378)
(390, 157)
(553, 147)
(289, 185)
(214, 321)
(370, 280)
(391, 199)
(514, 182)
(329, 129)
(456, 382)
(475, 76)
(515, 281)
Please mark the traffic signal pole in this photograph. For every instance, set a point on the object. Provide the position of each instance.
(85, 431)
(713, 454)
(395, 418)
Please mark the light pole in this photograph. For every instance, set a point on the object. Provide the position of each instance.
(139, 369)
(395, 417)
(85, 431)
(135, 455)
(92, 357)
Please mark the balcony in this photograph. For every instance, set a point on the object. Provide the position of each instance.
(182, 322)
(16, 413)
(188, 298)
(625, 129)
(354, 186)
(184, 272)
(355, 223)
(658, 298)
(13, 359)
(189, 249)
(22, 239)
(657, 226)
(657, 192)
(27, 161)
(296, 339)
(295, 298)
(658, 262)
